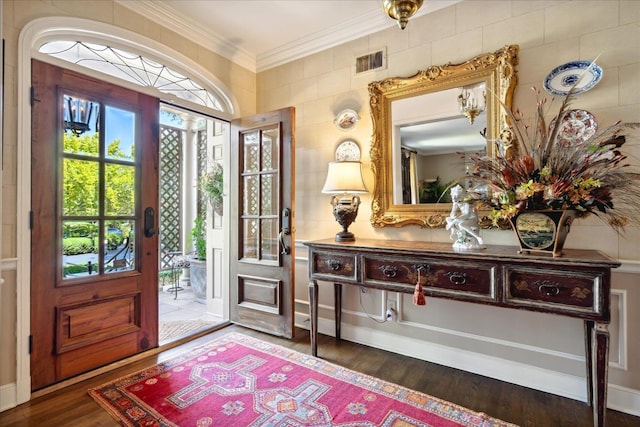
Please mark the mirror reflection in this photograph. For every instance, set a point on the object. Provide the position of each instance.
(422, 125)
(429, 134)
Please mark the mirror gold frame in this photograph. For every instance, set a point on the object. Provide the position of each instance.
(497, 69)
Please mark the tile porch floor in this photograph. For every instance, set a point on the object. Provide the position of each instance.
(183, 307)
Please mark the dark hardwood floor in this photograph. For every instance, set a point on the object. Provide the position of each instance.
(72, 406)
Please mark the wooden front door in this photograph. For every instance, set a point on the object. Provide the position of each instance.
(262, 251)
(94, 247)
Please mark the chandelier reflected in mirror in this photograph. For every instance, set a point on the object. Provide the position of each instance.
(78, 115)
(472, 101)
(401, 10)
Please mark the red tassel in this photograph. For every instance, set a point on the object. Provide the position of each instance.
(418, 295)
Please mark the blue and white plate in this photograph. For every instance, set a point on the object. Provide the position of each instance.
(562, 78)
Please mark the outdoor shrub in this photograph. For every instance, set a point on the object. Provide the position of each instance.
(74, 269)
(166, 277)
(114, 240)
(77, 245)
(79, 229)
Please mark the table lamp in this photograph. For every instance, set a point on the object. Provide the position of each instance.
(344, 180)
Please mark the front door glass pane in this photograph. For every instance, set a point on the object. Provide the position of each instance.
(251, 195)
(269, 206)
(250, 243)
(119, 186)
(251, 152)
(81, 122)
(80, 187)
(79, 248)
(269, 238)
(120, 132)
(270, 149)
(98, 187)
(119, 246)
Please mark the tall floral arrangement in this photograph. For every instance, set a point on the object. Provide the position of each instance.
(590, 177)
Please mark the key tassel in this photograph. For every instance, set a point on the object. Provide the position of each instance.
(418, 294)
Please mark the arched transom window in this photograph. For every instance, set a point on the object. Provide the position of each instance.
(132, 68)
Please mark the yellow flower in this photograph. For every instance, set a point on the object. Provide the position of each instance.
(528, 189)
(586, 184)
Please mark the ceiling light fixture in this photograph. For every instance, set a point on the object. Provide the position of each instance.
(401, 10)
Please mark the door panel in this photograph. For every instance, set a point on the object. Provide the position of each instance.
(94, 273)
(262, 202)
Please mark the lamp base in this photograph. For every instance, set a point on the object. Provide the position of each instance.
(345, 236)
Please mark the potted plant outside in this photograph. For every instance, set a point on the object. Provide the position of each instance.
(211, 184)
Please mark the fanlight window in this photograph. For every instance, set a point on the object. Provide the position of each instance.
(132, 68)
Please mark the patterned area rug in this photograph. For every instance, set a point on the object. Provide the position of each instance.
(236, 380)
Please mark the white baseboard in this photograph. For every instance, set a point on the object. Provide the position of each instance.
(619, 398)
(624, 399)
(8, 396)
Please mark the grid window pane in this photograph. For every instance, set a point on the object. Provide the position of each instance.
(269, 239)
(79, 249)
(119, 189)
(251, 152)
(269, 204)
(251, 197)
(250, 243)
(119, 246)
(80, 187)
(120, 133)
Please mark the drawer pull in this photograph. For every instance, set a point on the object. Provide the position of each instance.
(334, 264)
(548, 288)
(389, 270)
(422, 268)
(457, 278)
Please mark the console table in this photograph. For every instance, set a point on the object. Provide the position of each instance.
(578, 284)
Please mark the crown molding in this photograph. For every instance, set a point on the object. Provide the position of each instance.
(177, 22)
(367, 23)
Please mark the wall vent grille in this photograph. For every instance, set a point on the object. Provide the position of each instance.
(376, 60)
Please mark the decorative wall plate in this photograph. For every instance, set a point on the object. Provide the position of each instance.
(346, 119)
(576, 127)
(562, 78)
(348, 151)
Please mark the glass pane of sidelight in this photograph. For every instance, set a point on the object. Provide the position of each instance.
(250, 233)
(270, 150)
(80, 126)
(269, 205)
(119, 246)
(269, 239)
(251, 152)
(251, 196)
(120, 132)
(79, 249)
(80, 187)
(119, 189)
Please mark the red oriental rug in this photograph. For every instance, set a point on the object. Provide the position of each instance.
(238, 381)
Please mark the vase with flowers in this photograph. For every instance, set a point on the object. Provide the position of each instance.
(540, 184)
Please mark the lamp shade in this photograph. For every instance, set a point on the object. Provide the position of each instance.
(344, 177)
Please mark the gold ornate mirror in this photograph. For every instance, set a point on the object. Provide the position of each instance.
(422, 123)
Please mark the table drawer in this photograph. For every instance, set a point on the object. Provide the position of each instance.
(564, 290)
(333, 265)
(466, 280)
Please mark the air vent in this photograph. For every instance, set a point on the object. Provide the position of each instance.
(371, 61)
